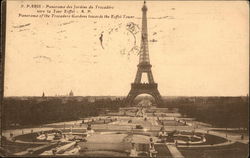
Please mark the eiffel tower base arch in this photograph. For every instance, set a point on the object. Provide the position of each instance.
(143, 88)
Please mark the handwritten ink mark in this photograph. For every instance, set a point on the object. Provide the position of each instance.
(101, 39)
(40, 59)
(66, 23)
(61, 31)
(153, 40)
(20, 26)
(23, 30)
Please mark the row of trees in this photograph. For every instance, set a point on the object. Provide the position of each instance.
(33, 112)
(221, 112)
(218, 113)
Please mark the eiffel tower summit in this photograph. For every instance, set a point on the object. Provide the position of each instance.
(144, 66)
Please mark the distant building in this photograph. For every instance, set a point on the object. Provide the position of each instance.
(71, 94)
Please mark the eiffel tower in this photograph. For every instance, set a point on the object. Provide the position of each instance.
(144, 66)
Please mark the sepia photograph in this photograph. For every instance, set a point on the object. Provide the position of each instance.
(125, 78)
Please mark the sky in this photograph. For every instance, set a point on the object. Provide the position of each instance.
(196, 48)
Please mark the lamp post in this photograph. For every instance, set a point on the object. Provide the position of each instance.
(226, 132)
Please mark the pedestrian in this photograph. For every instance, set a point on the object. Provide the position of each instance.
(11, 135)
(54, 151)
(242, 136)
(133, 152)
(152, 149)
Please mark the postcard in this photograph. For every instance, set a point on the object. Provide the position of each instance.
(125, 78)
